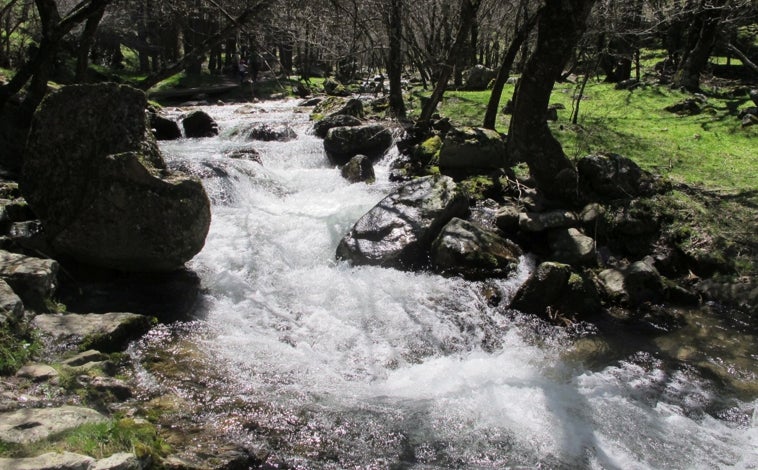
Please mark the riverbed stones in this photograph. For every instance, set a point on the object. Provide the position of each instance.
(199, 124)
(540, 221)
(321, 128)
(37, 372)
(49, 461)
(100, 185)
(557, 293)
(399, 230)
(120, 461)
(265, 132)
(164, 128)
(472, 148)
(107, 332)
(633, 285)
(34, 424)
(343, 143)
(571, 246)
(32, 279)
(466, 249)
(11, 307)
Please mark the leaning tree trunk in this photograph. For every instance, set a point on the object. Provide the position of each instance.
(490, 116)
(394, 60)
(85, 44)
(467, 17)
(561, 25)
(688, 74)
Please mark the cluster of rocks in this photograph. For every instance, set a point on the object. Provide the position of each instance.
(350, 142)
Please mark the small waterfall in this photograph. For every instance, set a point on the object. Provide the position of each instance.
(339, 366)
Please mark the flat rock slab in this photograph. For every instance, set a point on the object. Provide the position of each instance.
(37, 372)
(120, 461)
(34, 424)
(107, 332)
(51, 461)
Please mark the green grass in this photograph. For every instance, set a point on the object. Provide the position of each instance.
(98, 440)
(15, 350)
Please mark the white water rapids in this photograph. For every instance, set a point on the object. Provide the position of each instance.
(390, 369)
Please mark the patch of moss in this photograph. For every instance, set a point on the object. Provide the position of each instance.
(478, 188)
(16, 348)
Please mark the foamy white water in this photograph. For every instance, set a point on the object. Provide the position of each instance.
(414, 370)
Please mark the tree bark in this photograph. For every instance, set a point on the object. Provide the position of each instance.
(490, 116)
(709, 21)
(467, 17)
(85, 44)
(560, 26)
(394, 59)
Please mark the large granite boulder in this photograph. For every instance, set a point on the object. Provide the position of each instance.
(100, 185)
(472, 148)
(164, 128)
(398, 232)
(612, 176)
(321, 128)
(466, 249)
(343, 143)
(478, 77)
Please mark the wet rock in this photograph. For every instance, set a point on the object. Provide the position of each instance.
(37, 372)
(742, 293)
(11, 307)
(343, 143)
(164, 128)
(572, 247)
(107, 332)
(353, 107)
(398, 231)
(32, 279)
(556, 293)
(28, 235)
(466, 249)
(310, 102)
(478, 77)
(34, 424)
(333, 87)
(109, 385)
(612, 176)
(198, 124)
(359, 169)
(49, 461)
(541, 221)
(321, 128)
(472, 148)
(15, 210)
(246, 154)
(85, 357)
(507, 217)
(265, 133)
(111, 201)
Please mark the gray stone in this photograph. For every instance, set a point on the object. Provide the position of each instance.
(34, 424)
(463, 248)
(49, 461)
(37, 372)
(111, 202)
(571, 246)
(473, 148)
(343, 143)
(164, 128)
(321, 128)
(353, 107)
(118, 388)
(634, 285)
(32, 279)
(333, 87)
(105, 332)
(120, 461)
(507, 218)
(478, 77)
(558, 294)
(591, 213)
(265, 132)
(86, 357)
(15, 210)
(11, 307)
(540, 221)
(399, 230)
(359, 169)
(615, 177)
(687, 107)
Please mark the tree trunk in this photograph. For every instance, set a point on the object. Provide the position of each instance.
(561, 25)
(394, 59)
(85, 44)
(688, 74)
(493, 105)
(467, 16)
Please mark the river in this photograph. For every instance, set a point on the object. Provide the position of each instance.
(331, 366)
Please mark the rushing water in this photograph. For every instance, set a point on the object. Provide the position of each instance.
(333, 366)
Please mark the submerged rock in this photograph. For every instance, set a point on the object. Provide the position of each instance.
(473, 252)
(266, 133)
(100, 185)
(398, 231)
(343, 143)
